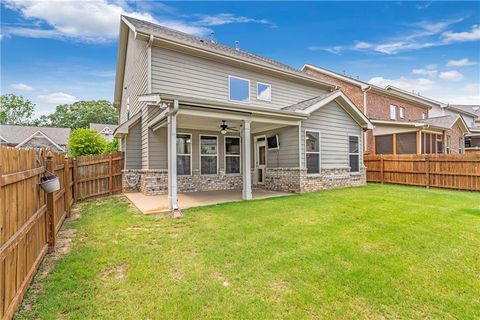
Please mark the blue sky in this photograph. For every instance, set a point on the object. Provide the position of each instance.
(56, 52)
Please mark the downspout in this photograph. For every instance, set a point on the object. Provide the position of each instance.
(149, 64)
(365, 90)
(172, 156)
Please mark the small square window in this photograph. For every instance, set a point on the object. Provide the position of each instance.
(239, 89)
(264, 91)
(402, 112)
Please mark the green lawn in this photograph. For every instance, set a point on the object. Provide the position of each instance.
(373, 252)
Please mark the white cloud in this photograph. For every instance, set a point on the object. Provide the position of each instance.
(227, 18)
(460, 63)
(409, 84)
(57, 98)
(429, 72)
(473, 35)
(451, 75)
(419, 35)
(21, 87)
(473, 88)
(91, 21)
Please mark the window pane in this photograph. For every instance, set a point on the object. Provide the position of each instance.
(184, 144)
(312, 142)
(183, 165)
(393, 112)
(232, 165)
(208, 145)
(353, 144)
(354, 160)
(312, 163)
(264, 91)
(232, 146)
(208, 165)
(384, 144)
(239, 90)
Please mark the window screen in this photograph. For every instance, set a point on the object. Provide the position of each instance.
(354, 153)
(407, 143)
(384, 144)
(208, 155)
(312, 151)
(232, 155)
(184, 154)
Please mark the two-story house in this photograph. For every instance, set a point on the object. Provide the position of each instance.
(403, 121)
(196, 115)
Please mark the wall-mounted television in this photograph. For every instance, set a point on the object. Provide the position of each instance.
(272, 142)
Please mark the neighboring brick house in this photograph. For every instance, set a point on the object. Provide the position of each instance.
(399, 117)
(34, 137)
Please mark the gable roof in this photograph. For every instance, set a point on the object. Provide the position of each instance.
(311, 105)
(199, 45)
(100, 126)
(17, 134)
(471, 110)
(444, 122)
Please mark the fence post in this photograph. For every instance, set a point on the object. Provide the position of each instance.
(68, 190)
(381, 169)
(110, 173)
(52, 235)
(75, 178)
(427, 171)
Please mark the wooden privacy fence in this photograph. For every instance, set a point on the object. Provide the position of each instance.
(30, 218)
(450, 171)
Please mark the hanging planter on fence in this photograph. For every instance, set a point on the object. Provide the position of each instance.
(50, 183)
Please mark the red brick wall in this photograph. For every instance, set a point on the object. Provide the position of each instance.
(378, 107)
(455, 134)
(353, 92)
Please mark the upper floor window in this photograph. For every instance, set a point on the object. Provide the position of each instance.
(402, 113)
(424, 115)
(238, 89)
(393, 112)
(264, 91)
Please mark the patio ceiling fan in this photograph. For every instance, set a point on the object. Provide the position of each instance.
(224, 128)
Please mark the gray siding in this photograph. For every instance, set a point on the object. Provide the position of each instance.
(287, 155)
(133, 156)
(135, 79)
(182, 74)
(335, 125)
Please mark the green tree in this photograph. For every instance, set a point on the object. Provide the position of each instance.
(85, 141)
(80, 114)
(112, 146)
(15, 109)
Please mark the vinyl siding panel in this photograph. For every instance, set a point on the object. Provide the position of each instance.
(287, 155)
(335, 125)
(133, 156)
(182, 74)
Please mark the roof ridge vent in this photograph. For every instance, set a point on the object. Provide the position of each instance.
(237, 45)
(212, 37)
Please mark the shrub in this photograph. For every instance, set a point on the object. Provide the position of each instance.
(85, 141)
(112, 146)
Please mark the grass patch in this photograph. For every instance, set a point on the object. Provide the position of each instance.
(370, 252)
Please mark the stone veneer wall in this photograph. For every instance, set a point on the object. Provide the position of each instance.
(297, 180)
(155, 182)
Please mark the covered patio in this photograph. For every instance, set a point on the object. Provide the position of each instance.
(160, 204)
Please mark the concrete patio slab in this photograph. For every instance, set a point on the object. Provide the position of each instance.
(159, 204)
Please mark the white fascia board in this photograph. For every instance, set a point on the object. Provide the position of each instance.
(43, 135)
(151, 98)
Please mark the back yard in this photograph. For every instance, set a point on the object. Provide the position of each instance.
(371, 252)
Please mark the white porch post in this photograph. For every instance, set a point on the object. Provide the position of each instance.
(247, 175)
(172, 157)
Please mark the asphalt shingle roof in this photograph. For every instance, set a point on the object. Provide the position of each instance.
(100, 126)
(442, 122)
(16, 134)
(305, 104)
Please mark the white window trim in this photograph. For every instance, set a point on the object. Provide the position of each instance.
(448, 144)
(186, 154)
(393, 107)
(206, 155)
(231, 155)
(319, 152)
(236, 101)
(267, 84)
(354, 154)
(401, 112)
(461, 145)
